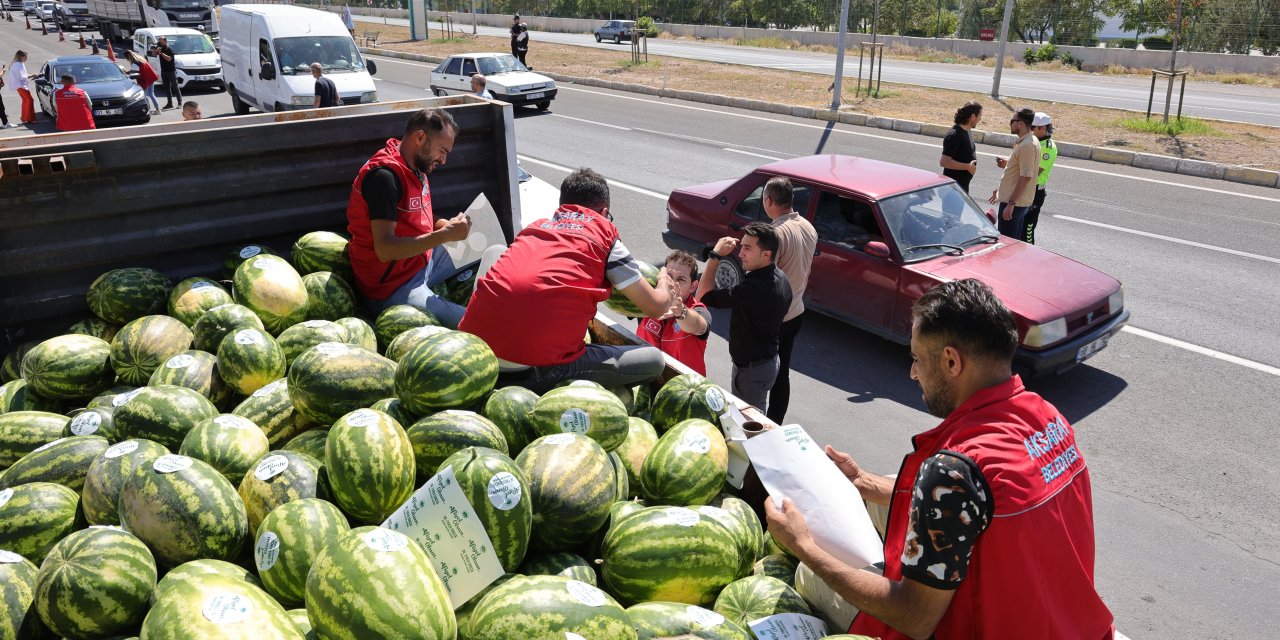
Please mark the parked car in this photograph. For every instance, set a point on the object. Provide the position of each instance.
(615, 30)
(538, 199)
(508, 80)
(196, 62)
(887, 233)
(116, 98)
(29, 7)
(73, 16)
(45, 12)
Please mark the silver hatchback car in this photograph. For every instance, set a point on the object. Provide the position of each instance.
(615, 30)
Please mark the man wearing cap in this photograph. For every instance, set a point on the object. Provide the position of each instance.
(1016, 193)
(1042, 129)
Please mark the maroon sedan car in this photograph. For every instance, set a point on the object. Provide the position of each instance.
(887, 233)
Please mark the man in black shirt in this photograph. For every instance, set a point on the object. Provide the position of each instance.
(326, 91)
(959, 156)
(168, 71)
(758, 305)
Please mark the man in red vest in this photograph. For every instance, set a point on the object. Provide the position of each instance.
(990, 530)
(682, 332)
(392, 226)
(75, 110)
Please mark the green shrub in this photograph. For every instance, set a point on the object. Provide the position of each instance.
(645, 24)
(1161, 43)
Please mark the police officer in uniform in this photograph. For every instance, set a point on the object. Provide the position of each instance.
(1041, 128)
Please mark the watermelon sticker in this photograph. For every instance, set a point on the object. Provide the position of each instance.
(250, 251)
(569, 635)
(180, 361)
(575, 421)
(47, 445)
(331, 348)
(226, 608)
(270, 467)
(696, 442)
(121, 448)
(4, 496)
(122, 398)
(262, 263)
(504, 491)
(559, 439)
(249, 337)
(385, 540)
(315, 324)
(169, 463)
(585, 593)
(9, 557)
(704, 617)
(86, 423)
(228, 421)
(203, 284)
(362, 418)
(683, 517)
(715, 399)
(269, 389)
(267, 550)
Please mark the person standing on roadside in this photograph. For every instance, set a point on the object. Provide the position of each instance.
(1017, 191)
(4, 116)
(959, 155)
(1042, 129)
(20, 81)
(147, 78)
(168, 71)
(797, 241)
(519, 39)
(682, 332)
(75, 110)
(326, 90)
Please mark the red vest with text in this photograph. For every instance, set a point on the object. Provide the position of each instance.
(376, 279)
(674, 341)
(533, 306)
(1031, 572)
(74, 113)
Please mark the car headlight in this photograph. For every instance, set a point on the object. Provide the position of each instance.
(135, 95)
(1043, 335)
(1115, 301)
(369, 96)
(302, 100)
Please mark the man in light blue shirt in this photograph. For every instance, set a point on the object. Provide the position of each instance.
(478, 83)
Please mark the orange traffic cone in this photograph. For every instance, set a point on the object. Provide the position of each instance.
(61, 37)
(111, 50)
(82, 44)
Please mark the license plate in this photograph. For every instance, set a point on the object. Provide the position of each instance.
(107, 112)
(534, 96)
(1089, 350)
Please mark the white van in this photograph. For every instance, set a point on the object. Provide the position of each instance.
(195, 60)
(267, 51)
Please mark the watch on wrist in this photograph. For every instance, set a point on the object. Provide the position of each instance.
(712, 255)
(683, 314)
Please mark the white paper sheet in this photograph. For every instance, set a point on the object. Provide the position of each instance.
(791, 465)
(441, 521)
(731, 422)
(789, 626)
(485, 231)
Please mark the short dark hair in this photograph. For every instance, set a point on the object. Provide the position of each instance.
(1025, 114)
(585, 188)
(779, 190)
(683, 258)
(967, 315)
(68, 79)
(968, 110)
(431, 121)
(191, 103)
(765, 234)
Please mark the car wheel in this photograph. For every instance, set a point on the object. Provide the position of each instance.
(440, 92)
(237, 104)
(617, 39)
(597, 37)
(729, 274)
(544, 105)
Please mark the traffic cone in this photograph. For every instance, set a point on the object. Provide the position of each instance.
(44, 29)
(28, 23)
(61, 37)
(95, 45)
(111, 51)
(82, 44)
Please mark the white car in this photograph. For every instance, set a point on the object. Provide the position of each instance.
(508, 80)
(45, 12)
(538, 199)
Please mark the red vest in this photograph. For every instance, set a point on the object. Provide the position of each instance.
(74, 113)
(376, 279)
(679, 344)
(1031, 572)
(533, 306)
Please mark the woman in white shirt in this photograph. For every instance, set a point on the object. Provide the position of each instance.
(20, 81)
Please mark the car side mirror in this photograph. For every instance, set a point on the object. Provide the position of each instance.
(991, 215)
(877, 249)
(371, 66)
(268, 71)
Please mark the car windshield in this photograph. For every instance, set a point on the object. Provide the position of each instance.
(337, 54)
(936, 221)
(186, 4)
(500, 64)
(190, 43)
(89, 72)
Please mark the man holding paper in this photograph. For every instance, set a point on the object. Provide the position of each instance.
(990, 531)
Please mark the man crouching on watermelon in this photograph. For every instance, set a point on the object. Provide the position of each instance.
(533, 305)
(682, 332)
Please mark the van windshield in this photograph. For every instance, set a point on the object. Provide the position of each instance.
(190, 43)
(337, 54)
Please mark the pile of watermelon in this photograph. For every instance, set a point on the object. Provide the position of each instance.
(211, 458)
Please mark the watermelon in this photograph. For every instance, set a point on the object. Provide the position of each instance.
(183, 509)
(443, 434)
(359, 333)
(571, 481)
(745, 539)
(397, 319)
(376, 583)
(95, 583)
(250, 358)
(96, 327)
(509, 408)
(229, 443)
(145, 344)
(454, 369)
(370, 464)
(750, 520)
(332, 379)
(618, 301)
(92, 422)
(114, 396)
(310, 442)
(685, 397)
(458, 287)
(621, 484)
(272, 289)
(271, 408)
(123, 295)
(288, 541)
(499, 492)
(217, 607)
(640, 440)
(18, 617)
(300, 620)
(281, 477)
(590, 411)
(329, 297)
(164, 414)
(627, 396)
(394, 408)
(107, 474)
(69, 367)
(194, 296)
(64, 461)
(642, 404)
(463, 613)
(321, 251)
(560, 563)
(756, 597)
(11, 366)
(195, 370)
(777, 565)
(547, 607)
(198, 570)
(217, 322)
(237, 256)
(411, 338)
(22, 432)
(668, 554)
(673, 619)
(300, 337)
(687, 466)
(35, 516)
(16, 395)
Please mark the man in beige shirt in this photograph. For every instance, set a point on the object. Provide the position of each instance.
(1017, 185)
(797, 240)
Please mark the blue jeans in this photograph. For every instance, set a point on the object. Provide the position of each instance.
(1015, 228)
(417, 291)
(151, 97)
(607, 364)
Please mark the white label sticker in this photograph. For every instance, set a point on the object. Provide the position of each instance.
(270, 467)
(122, 398)
(9, 557)
(315, 324)
(789, 626)
(47, 445)
(269, 389)
(86, 423)
(228, 421)
(362, 418)
(250, 251)
(683, 517)
(331, 348)
(262, 263)
(385, 540)
(169, 463)
(715, 399)
(4, 496)
(226, 608)
(267, 550)
(180, 361)
(249, 337)
(569, 635)
(575, 421)
(504, 491)
(696, 442)
(121, 448)
(559, 439)
(585, 593)
(203, 284)
(704, 617)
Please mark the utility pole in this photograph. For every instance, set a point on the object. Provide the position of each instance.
(844, 29)
(473, 17)
(1004, 37)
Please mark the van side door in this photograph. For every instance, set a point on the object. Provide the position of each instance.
(264, 87)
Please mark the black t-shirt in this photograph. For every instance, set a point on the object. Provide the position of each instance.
(958, 145)
(381, 192)
(327, 91)
(951, 505)
(167, 67)
(759, 303)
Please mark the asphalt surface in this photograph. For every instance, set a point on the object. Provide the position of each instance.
(1175, 418)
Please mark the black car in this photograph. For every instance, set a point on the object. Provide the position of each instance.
(116, 98)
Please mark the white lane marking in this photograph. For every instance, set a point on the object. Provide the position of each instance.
(1148, 234)
(620, 185)
(1195, 348)
(718, 143)
(750, 153)
(602, 124)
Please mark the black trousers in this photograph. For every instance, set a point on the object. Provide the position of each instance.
(171, 90)
(521, 53)
(4, 117)
(780, 394)
(1032, 216)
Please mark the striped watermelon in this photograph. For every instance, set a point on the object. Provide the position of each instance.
(304, 335)
(750, 520)
(217, 322)
(332, 379)
(587, 410)
(122, 295)
(376, 583)
(96, 327)
(397, 319)
(687, 466)
(92, 422)
(463, 613)
(370, 464)
(195, 370)
(458, 287)
(685, 397)
(618, 300)
(198, 570)
(288, 541)
(18, 617)
(745, 539)
(35, 516)
(114, 396)
(642, 404)
(194, 296)
(64, 461)
(443, 434)
(11, 365)
(359, 333)
(668, 554)
(271, 408)
(310, 442)
(229, 443)
(772, 546)
(640, 440)
(217, 607)
(107, 474)
(22, 432)
(164, 414)
(250, 358)
(509, 408)
(547, 607)
(321, 251)
(571, 481)
(300, 620)
(674, 619)
(499, 492)
(621, 484)
(329, 297)
(777, 565)
(184, 510)
(454, 369)
(278, 478)
(237, 256)
(145, 344)
(560, 563)
(16, 395)
(756, 597)
(394, 408)
(411, 338)
(272, 289)
(69, 367)
(95, 583)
